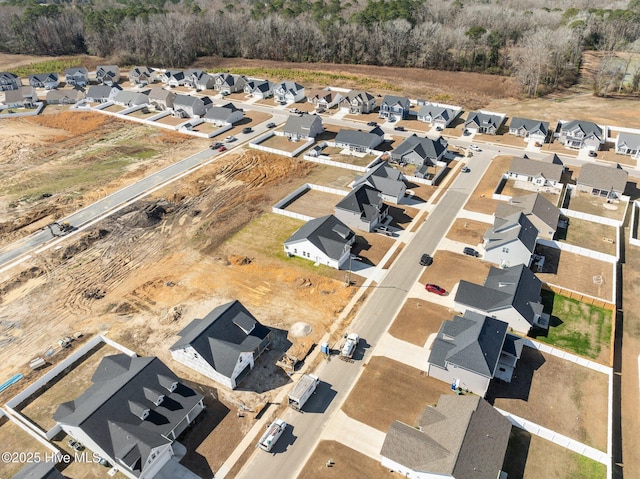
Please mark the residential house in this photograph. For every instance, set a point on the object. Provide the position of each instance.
(66, 96)
(537, 174)
(485, 122)
(510, 241)
(358, 102)
(437, 114)
(129, 98)
(131, 414)
(173, 78)
(108, 74)
(187, 106)
(358, 140)
(287, 92)
(628, 144)
(325, 240)
(543, 214)
(76, 76)
(142, 75)
(259, 89)
(510, 294)
(470, 350)
(200, 80)
(102, 93)
(362, 208)
(386, 179)
(324, 99)
(9, 81)
(420, 151)
(161, 99)
(533, 131)
(581, 134)
(600, 180)
(224, 115)
(42, 469)
(23, 97)
(229, 83)
(463, 437)
(224, 345)
(394, 107)
(303, 127)
(48, 81)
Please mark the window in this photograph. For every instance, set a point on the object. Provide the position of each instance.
(505, 250)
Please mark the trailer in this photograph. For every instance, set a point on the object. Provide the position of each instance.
(272, 434)
(305, 387)
(349, 346)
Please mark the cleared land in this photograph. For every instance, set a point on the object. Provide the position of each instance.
(512, 188)
(16, 441)
(468, 231)
(596, 205)
(480, 200)
(590, 235)
(417, 320)
(314, 203)
(449, 268)
(282, 143)
(348, 463)
(557, 394)
(384, 385)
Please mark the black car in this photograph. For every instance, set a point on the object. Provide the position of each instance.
(592, 154)
(246, 130)
(426, 260)
(271, 125)
(215, 146)
(399, 128)
(372, 123)
(470, 252)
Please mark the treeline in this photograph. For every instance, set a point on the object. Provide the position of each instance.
(540, 45)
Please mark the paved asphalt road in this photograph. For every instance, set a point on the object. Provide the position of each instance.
(301, 437)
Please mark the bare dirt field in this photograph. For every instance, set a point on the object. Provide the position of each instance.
(480, 200)
(590, 235)
(468, 231)
(512, 188)
(16, 441)
(449, 268)
(557, 394)
(595, 205)
(282, 143)
(347, 463)
(386, 383)
(417, 320)
(315, 203)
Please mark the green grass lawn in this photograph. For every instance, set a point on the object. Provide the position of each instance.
(575, 326)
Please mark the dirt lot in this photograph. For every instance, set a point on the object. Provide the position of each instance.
(468, 231)
(15, 440)
(511, 188)
(449, 268)
(281, 143)
(417, 320)
(480, 200)
(348, 463)
(587, 234)
(315, 203)
(556, 394)
(386, 383)
(595, 205)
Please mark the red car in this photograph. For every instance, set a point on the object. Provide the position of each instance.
(434, 288)
(222, 148)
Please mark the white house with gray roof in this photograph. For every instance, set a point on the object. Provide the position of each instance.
(462, 437)
(580, 134)
(485, 122)
(161, 99)
(200, 80)
(437, 114)
(131, 414)
(537, 174)
(421, 151)
(229, 83)
(288, 92)
(358, 140)
(173, 78)
(141, 75)
(510, 241)
(48, 81)
(396, 107)
(102, 93)
(259, 89)
(224, 115)
(187, 106)
(324, 98)
(131, 98)
(601, 180)
(386, 179)
(628, 144)
(224, 345)
(325, 240)
(470, 350)
(9, 81)
(108, 74)
(533, 131)
(76, 76)
(509, 294)
(362, 208)
(65, 96)
(357, 102)
(302, 127)
(543, 214)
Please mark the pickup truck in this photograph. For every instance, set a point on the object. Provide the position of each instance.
(303, 390)
(272, 434)
(349, 346)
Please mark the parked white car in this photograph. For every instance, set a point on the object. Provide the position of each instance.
(475, 148)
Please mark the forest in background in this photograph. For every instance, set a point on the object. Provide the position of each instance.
(539, 42)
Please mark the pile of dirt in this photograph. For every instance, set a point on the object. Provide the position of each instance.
(20, 279)
(83, 243)
(300, 329)
(238, 260)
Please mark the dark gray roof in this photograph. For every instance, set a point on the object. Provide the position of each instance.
(383, 177)
(290, 86)
(361, 96)
(606, 178)
(107, 410)
(632, 140)
(513, 345)
(221, 113)
(472, 342)
(515, 286)
(328, 234)
(435, 111)
(133, 97)
(506, 230)
(301, 124)
(530, 126)
(224, 333)
(364, 200)
(463, 437)
(101, 91)
(76, 70)
(587, 127)
(533, 204)
(39, 470)
(228, 79)
(42, 77)
(186, 100)
(360, 138)
(426, 148)
(260, 85)
(535, 168)
(396, 100)
(484, 119)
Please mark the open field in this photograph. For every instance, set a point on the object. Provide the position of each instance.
(449, 268)
(15, 440)
(384, 385)
(348, 463)
(417, 320)
(315, 203)
(590, 235)
(468, 231)
(557, 394)
(480, 200)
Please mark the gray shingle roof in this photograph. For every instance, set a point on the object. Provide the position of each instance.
(101, 91)
(221, 113)
(606, 178)
(426, 148)
(396, 100)
(632, 140)
(587, 127)
(535, 168)
(364, 200)
(361, 96)
(103, 411)
(186, 100)
(38, 470)
(42, 77)
(362, 139)
(131, 97)
(224, 333)
(530, 126)
(76, 70)
(384, 178)
(533, 204)
(505, 230)
(328, 234)
(290, 86)
(463, 437)
(160, 94)
(435, 111)
(473, 342)
(301, 124)
(484, 120)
